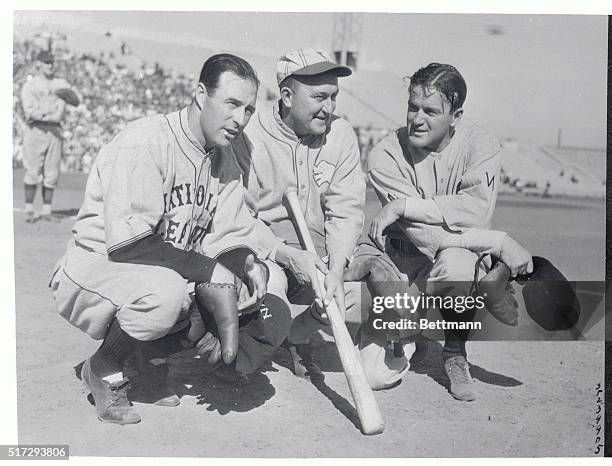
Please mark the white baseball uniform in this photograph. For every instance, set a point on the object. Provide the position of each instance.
(154, 178)
(42, 137)
(462, 182)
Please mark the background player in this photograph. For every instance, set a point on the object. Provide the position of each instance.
(301, 143)
(42, 138)
(139, 241)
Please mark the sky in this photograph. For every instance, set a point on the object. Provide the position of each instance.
(528, 76)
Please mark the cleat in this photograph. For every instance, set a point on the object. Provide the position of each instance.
(112, 404)
(50, 218)
(32, 217)
(303, 365)
(461, 383)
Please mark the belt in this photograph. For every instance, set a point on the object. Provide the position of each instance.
(46, 124)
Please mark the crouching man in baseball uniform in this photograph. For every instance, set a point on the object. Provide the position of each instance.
(300, 143)
(437, 181)
(156, 194)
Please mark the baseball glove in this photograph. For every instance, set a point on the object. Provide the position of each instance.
(498, 293)
(550, 299)
(220, 305)
(68, 95)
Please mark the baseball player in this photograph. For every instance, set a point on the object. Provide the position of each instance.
(159, 199)
(301, 143)
(42, 139)
(435, 178)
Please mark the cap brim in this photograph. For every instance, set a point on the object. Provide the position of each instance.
(323, 67)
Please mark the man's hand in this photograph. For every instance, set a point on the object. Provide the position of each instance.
(334, 289)
(516, 257)
(257, 284)
(303, 265)
(388, 215)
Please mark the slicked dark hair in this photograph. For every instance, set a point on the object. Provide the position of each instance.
(216, 65)
(444, 78)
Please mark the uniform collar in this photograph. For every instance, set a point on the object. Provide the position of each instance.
(185, 133)
(281, 125)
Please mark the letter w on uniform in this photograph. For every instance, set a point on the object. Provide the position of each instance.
(490, 182)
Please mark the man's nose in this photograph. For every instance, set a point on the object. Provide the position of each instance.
(419, 118)
(329, 106)
(239, 117)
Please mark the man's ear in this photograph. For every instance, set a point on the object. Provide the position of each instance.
(457, 114)
(286, 94)
(200, 95)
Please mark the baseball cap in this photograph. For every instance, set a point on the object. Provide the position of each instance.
(307, 62)
(45, 57)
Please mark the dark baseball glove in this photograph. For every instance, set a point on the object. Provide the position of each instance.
(550, 299)
(497, 291)
(68, 96)
(221, 305)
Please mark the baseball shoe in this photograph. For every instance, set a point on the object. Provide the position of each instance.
(228, 375)
(162, 393)
(112, 404)
(301, 357)
(32, 217)
(152, 386)
(461, 383)
(50, 218)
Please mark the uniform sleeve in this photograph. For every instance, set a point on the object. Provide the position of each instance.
(473, 204)
(32, 108)
(56, 111)
(153, 250)
(389, 184)
(133, 189)
(478, 241)
(345, 201)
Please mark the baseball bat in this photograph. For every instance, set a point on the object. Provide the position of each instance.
(367, 408)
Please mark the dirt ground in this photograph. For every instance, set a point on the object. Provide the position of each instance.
(536, 398)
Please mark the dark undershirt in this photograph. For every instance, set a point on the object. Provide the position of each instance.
(152, 250)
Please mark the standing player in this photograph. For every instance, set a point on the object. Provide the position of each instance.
(301, 143)
(436, 177)
(42, 139)
(156, 193)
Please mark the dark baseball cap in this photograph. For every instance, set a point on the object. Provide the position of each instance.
(308, 62)
(45, 57)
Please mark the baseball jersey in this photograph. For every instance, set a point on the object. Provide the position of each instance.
(155, 178)
(39, 101)
(325, 170)
(462, 180)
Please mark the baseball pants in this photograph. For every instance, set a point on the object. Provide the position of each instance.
(150, 302)
(42, 152)
(451, 274)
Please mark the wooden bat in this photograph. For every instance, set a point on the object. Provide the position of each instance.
(370, 417)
